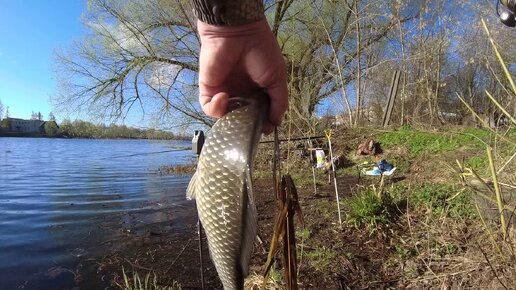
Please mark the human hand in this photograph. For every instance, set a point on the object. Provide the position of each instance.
(237, 60)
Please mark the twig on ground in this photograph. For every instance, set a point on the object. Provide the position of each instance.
(491, 266)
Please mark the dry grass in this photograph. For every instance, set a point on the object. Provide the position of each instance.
(186, 169)
(149, 282)
(255, 282)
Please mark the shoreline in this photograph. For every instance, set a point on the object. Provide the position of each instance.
(34, 135)
(423, 225)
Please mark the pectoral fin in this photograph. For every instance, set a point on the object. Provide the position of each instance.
(192, 187)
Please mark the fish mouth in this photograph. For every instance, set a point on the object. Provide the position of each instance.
(237, 102)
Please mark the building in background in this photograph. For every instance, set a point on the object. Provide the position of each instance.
(26, 126)
(17, 125)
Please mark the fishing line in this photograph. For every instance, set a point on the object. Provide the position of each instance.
(149, 153)
(197, 144)
(294, 139)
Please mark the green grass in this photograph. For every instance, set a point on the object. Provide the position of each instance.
(419, 142)
(366, 209)
(305, 179)
(442, 199)
(477, 162)
(403, 251)
(326, 208)
(303, 233)
(275, 275)
(466, 144)
(351, 170)
(321, 258)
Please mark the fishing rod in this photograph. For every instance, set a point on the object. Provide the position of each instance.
(197, 143)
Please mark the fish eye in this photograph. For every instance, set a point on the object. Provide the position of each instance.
(235, 103)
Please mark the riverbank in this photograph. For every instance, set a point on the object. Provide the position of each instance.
(37, 135)
(21, 134)
(427, 230)
(423, 232)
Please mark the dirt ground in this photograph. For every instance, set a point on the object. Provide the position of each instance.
(340, 243)
(174, 255)
(398, 255)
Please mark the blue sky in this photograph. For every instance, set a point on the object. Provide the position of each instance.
(29, 32)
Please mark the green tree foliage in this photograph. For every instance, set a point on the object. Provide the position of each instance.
(5, 124)
(83, 129)
(51, 128)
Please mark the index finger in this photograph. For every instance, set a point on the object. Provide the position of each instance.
(278, 93)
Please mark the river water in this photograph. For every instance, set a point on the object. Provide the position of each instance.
(61, 200)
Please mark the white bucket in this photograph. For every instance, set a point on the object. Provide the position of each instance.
(320, 158)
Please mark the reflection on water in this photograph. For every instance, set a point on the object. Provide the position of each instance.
(63, 199)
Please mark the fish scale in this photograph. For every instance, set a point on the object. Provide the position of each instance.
(222, 187)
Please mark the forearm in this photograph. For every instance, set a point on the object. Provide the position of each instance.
(228, 12)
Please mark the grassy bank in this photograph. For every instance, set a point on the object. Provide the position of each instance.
(429, 227)
(432, 225)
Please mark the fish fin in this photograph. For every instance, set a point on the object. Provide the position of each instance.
(249, 225)
(192, 187)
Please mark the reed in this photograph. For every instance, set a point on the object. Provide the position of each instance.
(149, 282)
(498, 195)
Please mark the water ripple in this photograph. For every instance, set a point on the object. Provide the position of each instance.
(62, 198)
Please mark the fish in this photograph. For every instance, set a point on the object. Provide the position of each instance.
(222, 187)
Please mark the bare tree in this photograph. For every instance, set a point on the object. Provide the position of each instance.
(137, 53)
(440, 52)
(145, 54)
(323, 49)
(51, 117)
(1, 110)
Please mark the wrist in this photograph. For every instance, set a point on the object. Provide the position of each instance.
(218, 31)
(228, 13)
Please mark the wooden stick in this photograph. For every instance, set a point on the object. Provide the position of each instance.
(328, 135)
